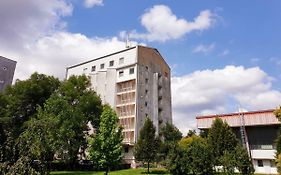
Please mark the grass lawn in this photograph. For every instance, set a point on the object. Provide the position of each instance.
(139, 171)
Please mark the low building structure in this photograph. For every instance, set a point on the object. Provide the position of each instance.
(258, 129)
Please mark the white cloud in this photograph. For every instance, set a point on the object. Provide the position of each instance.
(219, 91)
(204, 48)
(162, 25)
(24, 21)
(32, 33)
(52, 54)
(92, 3)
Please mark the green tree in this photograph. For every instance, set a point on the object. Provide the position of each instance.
(190, 133)
(146, 148)
(18, 104)
(106, 148)
(220, 139)
(68, 112)
(199, 156)
(242, 161)
(277, 114)
(170, 136)
(177, 162)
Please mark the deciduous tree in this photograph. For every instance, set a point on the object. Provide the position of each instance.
(105, 147)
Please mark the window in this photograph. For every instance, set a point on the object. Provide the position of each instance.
(146, 80)
(121, 73)
(93, 68)
(146, 92)
(85, 69)
(111, 63)
(4, 68)
(260, 163)
(121, 60)
(126, 149)
(132, 70)
(146, 67)
(145, 103)
(102, 66)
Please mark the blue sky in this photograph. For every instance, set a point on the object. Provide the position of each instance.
(223, 54)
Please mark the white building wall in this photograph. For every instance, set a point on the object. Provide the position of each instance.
(130, 58)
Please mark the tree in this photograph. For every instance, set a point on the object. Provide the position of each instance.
(277, 114)
(105, 148)
(18, 104)
(147, 144)
(242, 161)
(67, 113)
(170, 135)
(190, 156)
(190, 133)
(220, 139)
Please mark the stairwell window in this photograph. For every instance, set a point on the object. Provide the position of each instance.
(111, 63)
(260, 163)
(132, 71)
(93, 68)
(121, 73)
(102, 66)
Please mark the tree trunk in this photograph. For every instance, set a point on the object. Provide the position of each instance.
(148, 167)
(106, 171)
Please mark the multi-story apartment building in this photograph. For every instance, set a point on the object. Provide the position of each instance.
(257, 130)
(7, 69)
(136, 83)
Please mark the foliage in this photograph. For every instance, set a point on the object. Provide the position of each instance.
(43, 118)
(242, 161)
(277, 113)
(199, 156)
(221, 139)
(62, 123)
(190, 133)
(105, 148)
(278, 163)
(177, 161)
(146, 148)
(170, 135)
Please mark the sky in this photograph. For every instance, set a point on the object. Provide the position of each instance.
(224, 55)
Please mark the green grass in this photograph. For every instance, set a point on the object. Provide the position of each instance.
(139, 171)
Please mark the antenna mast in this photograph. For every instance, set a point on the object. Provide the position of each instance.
(128, 44)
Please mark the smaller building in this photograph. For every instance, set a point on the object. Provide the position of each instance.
(259, 130)
(7, 69)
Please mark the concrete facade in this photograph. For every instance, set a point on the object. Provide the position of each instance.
(136, 83)
(262, 129)
(7, 69)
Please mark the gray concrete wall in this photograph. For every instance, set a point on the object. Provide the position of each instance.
(153, 89)
(7, 69)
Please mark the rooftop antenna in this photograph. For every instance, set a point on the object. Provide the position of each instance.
(128, 44)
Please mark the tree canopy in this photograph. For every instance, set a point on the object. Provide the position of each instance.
(105, 147)
(146, 148)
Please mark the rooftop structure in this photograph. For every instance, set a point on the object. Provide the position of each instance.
(136, 83)
(7, 69)
(258, 129)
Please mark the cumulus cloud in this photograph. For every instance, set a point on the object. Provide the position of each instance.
(92, 3)
(162, 25)
(24, 21)
(52, 54)
(204, 48)
(32, 33)
(219, 91)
